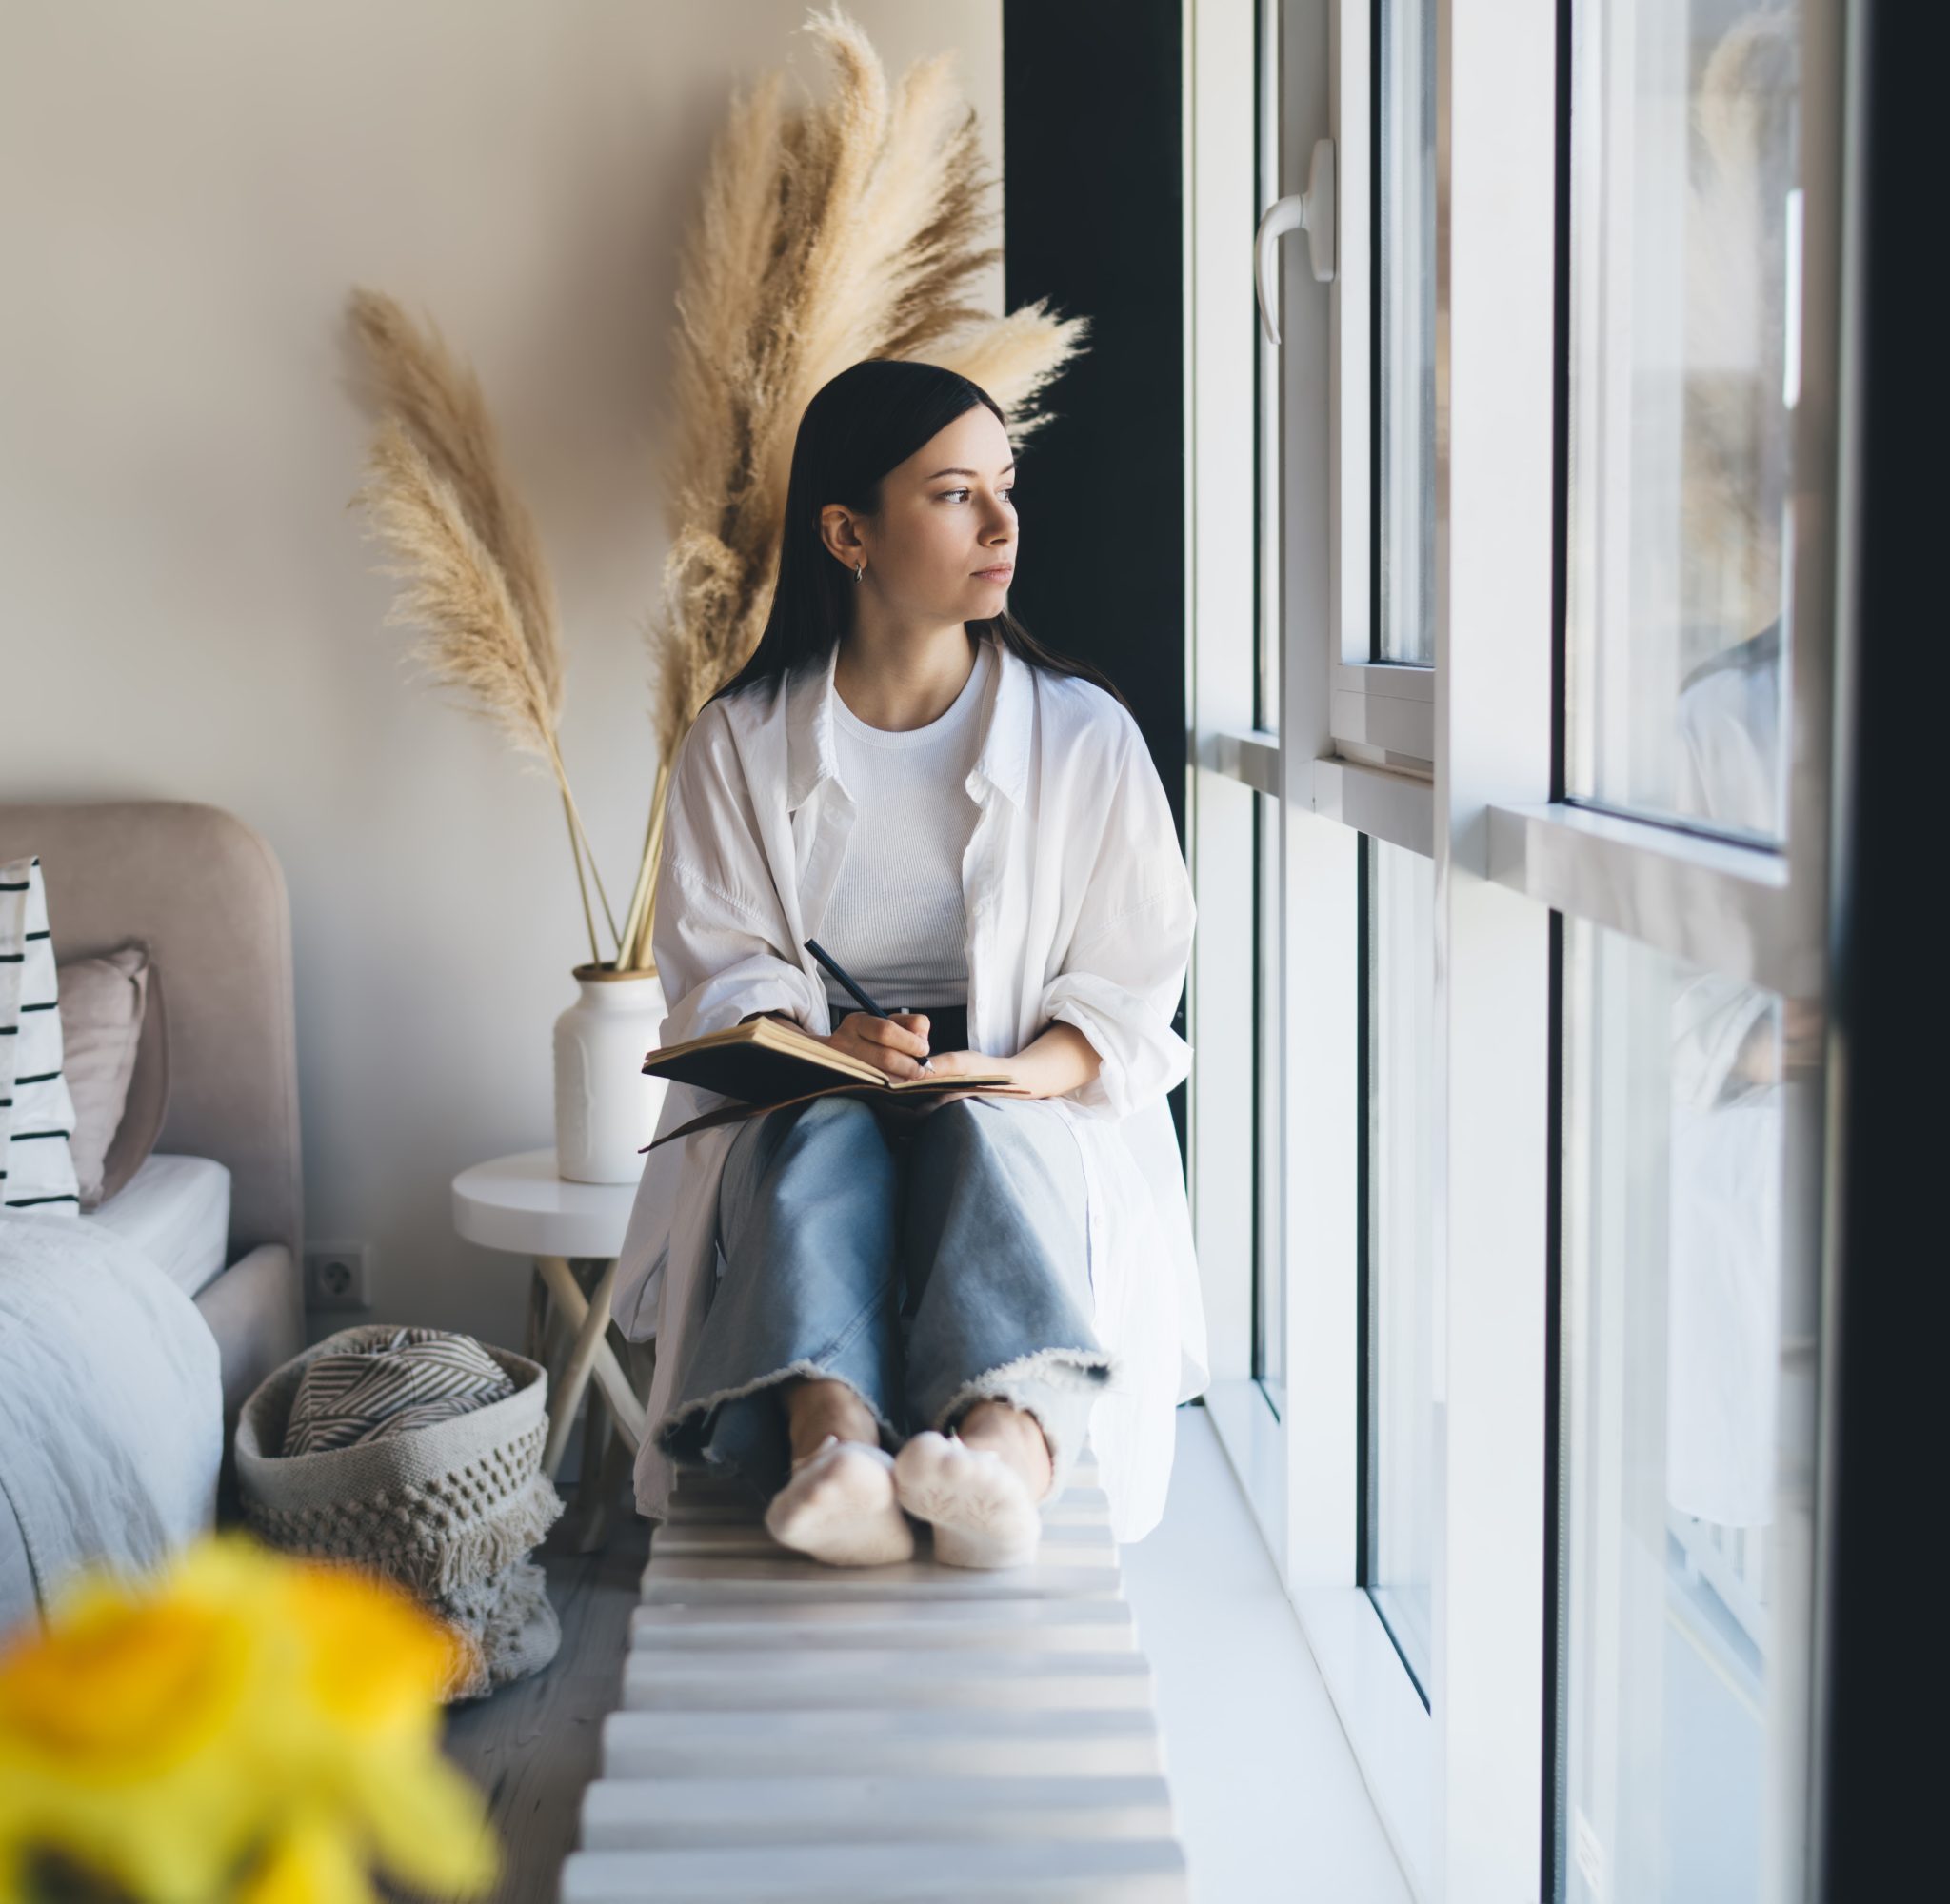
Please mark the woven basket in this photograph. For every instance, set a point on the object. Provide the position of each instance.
(450, 1510)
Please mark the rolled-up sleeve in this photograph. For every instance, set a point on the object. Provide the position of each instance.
(1123, 971)
(720, 935)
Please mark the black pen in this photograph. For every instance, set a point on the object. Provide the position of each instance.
(840, 972)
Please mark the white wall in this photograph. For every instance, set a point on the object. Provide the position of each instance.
(186, 604)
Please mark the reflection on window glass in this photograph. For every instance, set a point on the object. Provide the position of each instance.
(1685, 226)
(1401, 1249)
(1688, 1341)
(1269, 1319)
(1405, 304)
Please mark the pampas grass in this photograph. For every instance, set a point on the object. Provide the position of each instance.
(436, 493)
(826, 233)
(848, 228)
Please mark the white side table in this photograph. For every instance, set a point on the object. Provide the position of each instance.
(573, 1233)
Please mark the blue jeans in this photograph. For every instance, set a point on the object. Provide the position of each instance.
(925, 1260)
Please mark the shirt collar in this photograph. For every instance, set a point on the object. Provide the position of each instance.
(813, 756)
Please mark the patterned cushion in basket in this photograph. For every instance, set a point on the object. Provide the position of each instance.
(404, 1380)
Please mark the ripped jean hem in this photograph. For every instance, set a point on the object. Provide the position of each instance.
(1034, 1384)
(691, 1417)
(1074, 1371)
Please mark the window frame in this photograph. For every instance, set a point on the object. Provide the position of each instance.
(1462, 1788)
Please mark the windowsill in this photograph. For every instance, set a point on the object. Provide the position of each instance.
(1388, 1727)
(1712, 902)
(1269, 1800)
(1383, 802)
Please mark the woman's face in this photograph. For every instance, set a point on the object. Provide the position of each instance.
(945, 518)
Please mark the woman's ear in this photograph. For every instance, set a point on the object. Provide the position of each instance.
(838, 529)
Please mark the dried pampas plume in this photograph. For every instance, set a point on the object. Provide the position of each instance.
(850, 229)
(439, 404)
(437, 494)
(845, 228)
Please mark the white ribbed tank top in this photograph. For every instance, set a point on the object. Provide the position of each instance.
(896, 920)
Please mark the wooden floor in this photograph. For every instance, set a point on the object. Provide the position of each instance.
(532, 1746)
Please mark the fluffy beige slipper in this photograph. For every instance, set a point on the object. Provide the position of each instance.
(839, 1507)
(980, 1509)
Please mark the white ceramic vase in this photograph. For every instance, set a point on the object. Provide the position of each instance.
(605, 1109)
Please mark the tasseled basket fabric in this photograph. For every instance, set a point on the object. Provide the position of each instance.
(449, 1510)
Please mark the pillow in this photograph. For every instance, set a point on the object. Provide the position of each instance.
(102, 1002)
(149, 1093)
(36, 1113)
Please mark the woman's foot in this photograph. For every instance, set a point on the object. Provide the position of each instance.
(982, 1509)
(840, 1507)
(1015, 1434)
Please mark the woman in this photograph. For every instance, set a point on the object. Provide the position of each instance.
(873, 1312)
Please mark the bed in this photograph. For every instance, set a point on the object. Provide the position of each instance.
(131, 1336)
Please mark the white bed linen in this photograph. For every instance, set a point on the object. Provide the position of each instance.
(111, 1408)
(176, 1211)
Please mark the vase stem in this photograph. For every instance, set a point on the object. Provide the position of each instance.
(636, 923)
(582, 884)
(575, 817)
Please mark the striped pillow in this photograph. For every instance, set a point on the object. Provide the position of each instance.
(36, 1112)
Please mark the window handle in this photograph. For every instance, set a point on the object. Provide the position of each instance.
(1311, 211)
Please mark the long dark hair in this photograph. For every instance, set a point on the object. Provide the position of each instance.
(860, 425)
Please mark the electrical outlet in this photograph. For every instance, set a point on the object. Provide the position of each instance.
(335, 1277)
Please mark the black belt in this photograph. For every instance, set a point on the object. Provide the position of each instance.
(947, 1026)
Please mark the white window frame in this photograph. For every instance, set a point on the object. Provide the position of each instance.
(1301, 1472)
(1379, 713)
(1458, 1786)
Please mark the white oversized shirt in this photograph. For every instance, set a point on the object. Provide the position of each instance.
(1079, 909)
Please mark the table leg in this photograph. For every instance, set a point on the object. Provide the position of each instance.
(588, 1320)
(591, 1356)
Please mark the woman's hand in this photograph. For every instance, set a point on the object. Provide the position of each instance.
(916, 1104)
(897, 1045)
(1051, 1063)
(1058, 1059)
(976, 1065)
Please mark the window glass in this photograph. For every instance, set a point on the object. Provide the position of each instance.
(1267, 433)
(1404, 307)
(1400, 1477)
(1683, 375)
(1686, 1451)
(1269, 1321)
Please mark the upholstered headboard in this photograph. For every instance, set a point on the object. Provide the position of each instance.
(207, 893)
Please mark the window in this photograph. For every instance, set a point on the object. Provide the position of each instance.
(1687, 1342)
(1514, 900)
(1685, 373)
(1405, 329)
(1269, 1319)
(1399, 1480)
(1381, 660)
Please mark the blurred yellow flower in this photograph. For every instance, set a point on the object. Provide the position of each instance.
(244, 1725)
(310, 1864)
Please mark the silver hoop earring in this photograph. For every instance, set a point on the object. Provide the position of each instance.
(860, 571)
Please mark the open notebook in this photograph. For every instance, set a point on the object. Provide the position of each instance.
(766, 1063)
